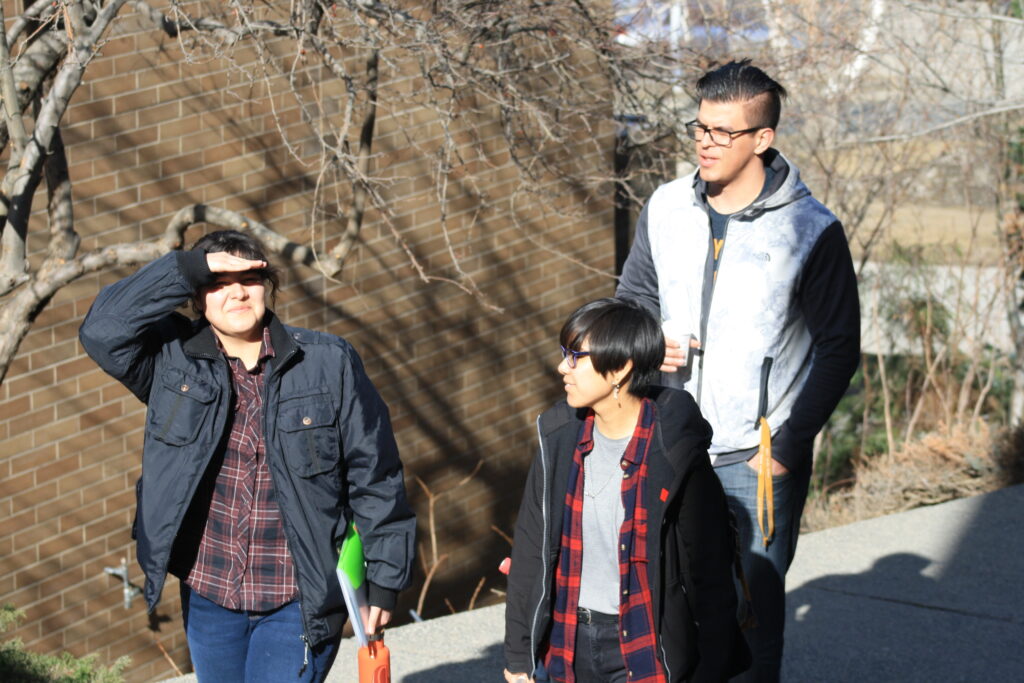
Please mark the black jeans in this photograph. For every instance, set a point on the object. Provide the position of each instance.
(598, 657)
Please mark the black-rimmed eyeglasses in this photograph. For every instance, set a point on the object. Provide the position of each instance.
(572, 357)
(723, 138)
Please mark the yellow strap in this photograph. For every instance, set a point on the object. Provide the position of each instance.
(764, 485)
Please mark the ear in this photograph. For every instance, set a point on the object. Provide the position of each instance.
(765, 138)
(617, 376)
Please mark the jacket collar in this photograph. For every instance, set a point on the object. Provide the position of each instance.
(203, 344)
(677, 405)
(785, 186)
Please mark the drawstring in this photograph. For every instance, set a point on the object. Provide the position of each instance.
(764, 485)
(305, 654)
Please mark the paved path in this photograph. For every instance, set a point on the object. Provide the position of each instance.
(933, 594)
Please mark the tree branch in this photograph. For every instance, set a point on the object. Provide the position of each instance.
(9, 94)
(40, 11)
(971, 16)
(57, 271)
(1002, 109)
(175, 27)
(63, 238)
(360, 190)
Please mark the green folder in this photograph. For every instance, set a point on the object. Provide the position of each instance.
(352, 577)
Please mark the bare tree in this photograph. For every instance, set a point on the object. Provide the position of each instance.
(875, 85)
(548, 72)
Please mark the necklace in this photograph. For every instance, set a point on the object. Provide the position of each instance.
(603, 486)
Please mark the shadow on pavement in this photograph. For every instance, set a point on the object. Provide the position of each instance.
(484, 668)
(945, 606)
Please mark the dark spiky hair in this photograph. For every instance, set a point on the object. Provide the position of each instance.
(741, 81)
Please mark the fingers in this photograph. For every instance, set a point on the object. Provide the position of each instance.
(516, 678)
(373, 620)
(675, 356)
(377, 619)
(778, 469)
(223, 262)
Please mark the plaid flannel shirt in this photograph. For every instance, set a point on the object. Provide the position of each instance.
(637, 638)
(243, 561)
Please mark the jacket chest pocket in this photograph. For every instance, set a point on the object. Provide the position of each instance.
(179, 407)
(309, 435)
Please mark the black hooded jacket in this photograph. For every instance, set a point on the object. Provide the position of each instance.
(690, 545)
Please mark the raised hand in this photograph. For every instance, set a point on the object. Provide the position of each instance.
(223, 262)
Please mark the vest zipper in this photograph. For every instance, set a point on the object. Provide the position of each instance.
(707, 293)
(762, 403)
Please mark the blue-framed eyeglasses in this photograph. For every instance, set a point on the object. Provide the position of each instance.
(572, 357)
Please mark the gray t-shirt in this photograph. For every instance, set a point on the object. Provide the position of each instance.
(603, 515)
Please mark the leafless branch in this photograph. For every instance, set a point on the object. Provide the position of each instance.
(936, 8)
(9, 94)
(967, 118)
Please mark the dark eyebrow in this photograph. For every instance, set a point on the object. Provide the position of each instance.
(707, 127)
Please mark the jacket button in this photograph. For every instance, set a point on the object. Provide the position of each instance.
(307, 421)
(184, 387)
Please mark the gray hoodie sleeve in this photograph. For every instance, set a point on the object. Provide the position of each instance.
(639, 280)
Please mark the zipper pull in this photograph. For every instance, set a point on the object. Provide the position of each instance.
(305, 654)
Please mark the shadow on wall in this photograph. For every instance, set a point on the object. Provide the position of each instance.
(444, 426)
(912, 618)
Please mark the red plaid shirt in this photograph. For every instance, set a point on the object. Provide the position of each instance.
(243, 561)
(637, 639)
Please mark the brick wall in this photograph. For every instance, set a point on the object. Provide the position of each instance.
(148, 134)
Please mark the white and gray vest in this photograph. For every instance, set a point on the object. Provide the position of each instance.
(756, 346)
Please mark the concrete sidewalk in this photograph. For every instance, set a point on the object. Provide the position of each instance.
(933, 594)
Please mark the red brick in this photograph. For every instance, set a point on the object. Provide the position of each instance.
(30, 421)
(30, 382)
(22, 519)
(16, 407)
(33, 536)
(161, 112)
(67, 370)
(34, 496)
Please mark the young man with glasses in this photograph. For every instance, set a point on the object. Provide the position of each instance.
(754, 284)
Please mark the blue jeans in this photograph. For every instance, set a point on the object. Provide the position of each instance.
(232, 646)
(765, 568)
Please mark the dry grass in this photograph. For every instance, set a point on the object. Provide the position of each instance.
(939, 467)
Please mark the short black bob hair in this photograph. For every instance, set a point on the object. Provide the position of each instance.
(741, 81)
(241, 244)
(618, 331)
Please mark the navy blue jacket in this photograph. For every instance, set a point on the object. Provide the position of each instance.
(328, 437)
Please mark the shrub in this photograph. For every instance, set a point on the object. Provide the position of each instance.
(18, 665)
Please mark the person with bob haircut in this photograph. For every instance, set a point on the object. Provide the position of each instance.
(262, 443)
(622, 563)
